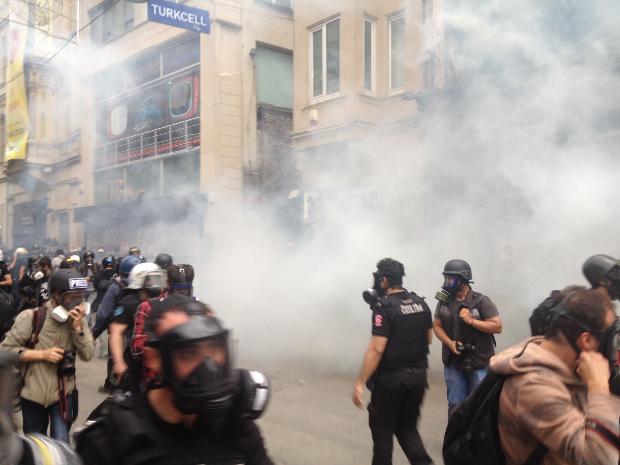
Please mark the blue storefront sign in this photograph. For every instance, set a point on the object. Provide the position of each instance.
(177, 15)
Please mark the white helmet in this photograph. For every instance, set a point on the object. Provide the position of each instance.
(21, 251)
(147, 276)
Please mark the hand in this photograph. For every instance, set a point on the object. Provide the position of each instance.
(53, 355)
(466, 316)
(593, 369)
(357, 395)
(76, 314)
(452, 347)
(119, 370)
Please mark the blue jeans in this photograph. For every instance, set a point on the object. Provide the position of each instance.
(37, 418)
(461, 384)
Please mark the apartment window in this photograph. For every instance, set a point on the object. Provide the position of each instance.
(280, 3)
(117, 19)
(369, 54)
(325, 57)
(397, 51)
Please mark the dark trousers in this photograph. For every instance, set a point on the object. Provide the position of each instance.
(394, 409)
(37, 418)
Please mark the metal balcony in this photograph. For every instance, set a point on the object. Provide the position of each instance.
(172, 139)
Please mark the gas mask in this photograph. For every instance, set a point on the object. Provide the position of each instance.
(614, 283)
(372, 295)
(451, 285)
(208, 389)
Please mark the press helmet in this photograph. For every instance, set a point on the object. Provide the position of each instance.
(67, 279)
(460, 268)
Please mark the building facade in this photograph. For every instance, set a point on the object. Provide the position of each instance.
(360, 66)
(167, 122)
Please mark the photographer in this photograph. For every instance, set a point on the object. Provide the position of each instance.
(395, 364)
(32, 449)
(465, 322)
(47, 340)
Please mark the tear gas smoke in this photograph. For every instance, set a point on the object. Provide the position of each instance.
(511, 167)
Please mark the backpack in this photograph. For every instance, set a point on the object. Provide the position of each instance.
(472, 434)
(543, 315)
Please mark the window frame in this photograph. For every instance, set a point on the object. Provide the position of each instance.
(391, 19)
(373, 55)
(323, 27)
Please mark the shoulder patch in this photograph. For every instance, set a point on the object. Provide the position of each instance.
(378, 321)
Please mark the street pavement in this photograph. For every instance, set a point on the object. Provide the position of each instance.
(311, 419)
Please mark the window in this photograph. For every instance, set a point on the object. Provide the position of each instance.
(117, 19)
(369, 54)
(180, 98)
(280, 3)
(325, 57)
(182, 55)
(397, 51)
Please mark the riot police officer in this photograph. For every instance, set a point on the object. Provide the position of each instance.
(465, 322)
(395, 364)
(202, 410)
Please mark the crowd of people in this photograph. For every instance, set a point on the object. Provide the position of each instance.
(173, 387)
(175, 394)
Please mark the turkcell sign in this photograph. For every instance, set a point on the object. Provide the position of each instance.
(177, 15)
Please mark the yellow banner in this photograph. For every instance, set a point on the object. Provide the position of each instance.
(17, 121)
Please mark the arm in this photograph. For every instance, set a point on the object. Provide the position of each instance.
(21, 272)
(18, 337)
(564, 429)
(429, 336)
(490, 326)
(138, 339)
(105, 310)
(8, 280)
(117, 330)
(81, 336)
(373, 356)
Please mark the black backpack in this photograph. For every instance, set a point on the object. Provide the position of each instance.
(472, 434)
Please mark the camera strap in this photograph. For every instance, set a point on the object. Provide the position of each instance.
(62, 398)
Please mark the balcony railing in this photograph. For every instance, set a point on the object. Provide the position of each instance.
(166, 140)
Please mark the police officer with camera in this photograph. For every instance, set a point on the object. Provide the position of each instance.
(201, 409)
(395, 364)
(47, 340)
(465, 322)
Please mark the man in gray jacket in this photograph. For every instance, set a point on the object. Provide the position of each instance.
(47, 341)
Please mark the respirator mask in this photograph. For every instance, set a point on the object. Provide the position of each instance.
(614, 279)
(372, 295)
(610, 348)
(38, 276)
(451, 285)
(197, 367)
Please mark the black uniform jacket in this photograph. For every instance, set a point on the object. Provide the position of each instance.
(128, 432)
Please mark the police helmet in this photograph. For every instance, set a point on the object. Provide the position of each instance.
(128, 263)
(460, 268)
(163, 260)
(108, 261)
(134, 251)
(147, 276)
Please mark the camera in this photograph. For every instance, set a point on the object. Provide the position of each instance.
(66, 367)
(371, 297)
(466, 350)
